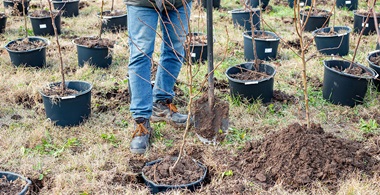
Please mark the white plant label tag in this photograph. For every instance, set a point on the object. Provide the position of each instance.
(42, 25)
(366, 25)
(193, 55)
(268, 50)
(251, 82)
(348, 2)
(302, 4)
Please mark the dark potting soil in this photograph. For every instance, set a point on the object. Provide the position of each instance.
(41, 13)
(281, 96)
(298, 156)
(25, 45)
(249, 75)
(317, 12)
(365, 13)
(57, 91)
(208, 121)
(94, 42)
(197, 40)
(354, 70)
(375, 60)
(11, 187)
(186, 171)
(332, 32)
(114, 13)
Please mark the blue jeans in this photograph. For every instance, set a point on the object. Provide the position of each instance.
(142, 30)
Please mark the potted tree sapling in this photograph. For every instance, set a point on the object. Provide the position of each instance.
(360, 16)
(13, 183)
(333, 40)
(18, 7)
(41, 22)
(373, 57)
(314, 18)
(114, 20)
(95, 50)
(345, 82)
(69, 8)
(28, 51)
(67, 103)
(241, 17)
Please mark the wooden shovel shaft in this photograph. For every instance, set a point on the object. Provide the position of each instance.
(210, 57)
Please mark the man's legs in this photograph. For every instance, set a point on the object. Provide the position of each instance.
(142, 24)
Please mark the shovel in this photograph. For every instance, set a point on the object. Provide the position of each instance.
(217, 110)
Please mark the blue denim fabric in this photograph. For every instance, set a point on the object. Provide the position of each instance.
(142, 28)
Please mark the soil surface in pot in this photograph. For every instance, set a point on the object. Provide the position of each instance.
(209, 121)
(94, 42)
(249, 75)
(355, 70)
(41, 13)
(56, 91)
(365, 13)
(197, 40)
(11, 187)
(297, 156)
(375, 60)
(332, 32)
(114, 13)
(317, 12)
(25, 45)
(187, 171)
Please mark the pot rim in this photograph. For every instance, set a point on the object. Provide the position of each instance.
(28, 182)
(374, 73)
(44, 17)
(35, 37)
(73, 41)
(242, 10)
(314, 33)
(355, 13)
(277, 38)
(67, 83)
(198, 44)
(175, 186)
(303, 11)
(110, 17)
(369, 55)
(251, 82)
(62, 2)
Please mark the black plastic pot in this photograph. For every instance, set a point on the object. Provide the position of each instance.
(69, 8)
(377, 45)
(31, 58)
(114, 23)
(69, 110)
(242, 17)
(252, 89)
(3, 23)
(100, 57)
(198, 52)
(156, 188)
(17, 10)
(333, 44)
(342, 88)
(215, 3)
(349, 4)
(359, 23)
(314, 22)
(375, 67)
(255, 3)
(42, 25)
(266, 49)
(302, 3)
(13, 176)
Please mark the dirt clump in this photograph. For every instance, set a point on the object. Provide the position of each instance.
(11, 187)
(298, 156)
(208, 121)
(281, 96)
(186, 171)
(354, 70)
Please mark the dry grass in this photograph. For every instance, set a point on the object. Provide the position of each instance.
(83, 160)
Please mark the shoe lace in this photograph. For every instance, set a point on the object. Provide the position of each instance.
(140, 130)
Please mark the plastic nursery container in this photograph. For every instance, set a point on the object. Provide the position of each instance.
(266, 48)
(13, 176)
(337, 44)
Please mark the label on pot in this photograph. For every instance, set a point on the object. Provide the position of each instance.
(42, 25)
(366, 25)
(193, 55)
(268, 50)
(302, 4)
(251, 82)
(348, 2)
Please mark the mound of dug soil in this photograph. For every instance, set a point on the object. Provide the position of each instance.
(298, 156)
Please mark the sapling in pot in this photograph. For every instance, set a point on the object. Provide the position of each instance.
(67, 103)
(114, 20)
(27, 51)
(95, 50)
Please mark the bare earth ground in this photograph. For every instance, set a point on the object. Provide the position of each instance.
(94, 158)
